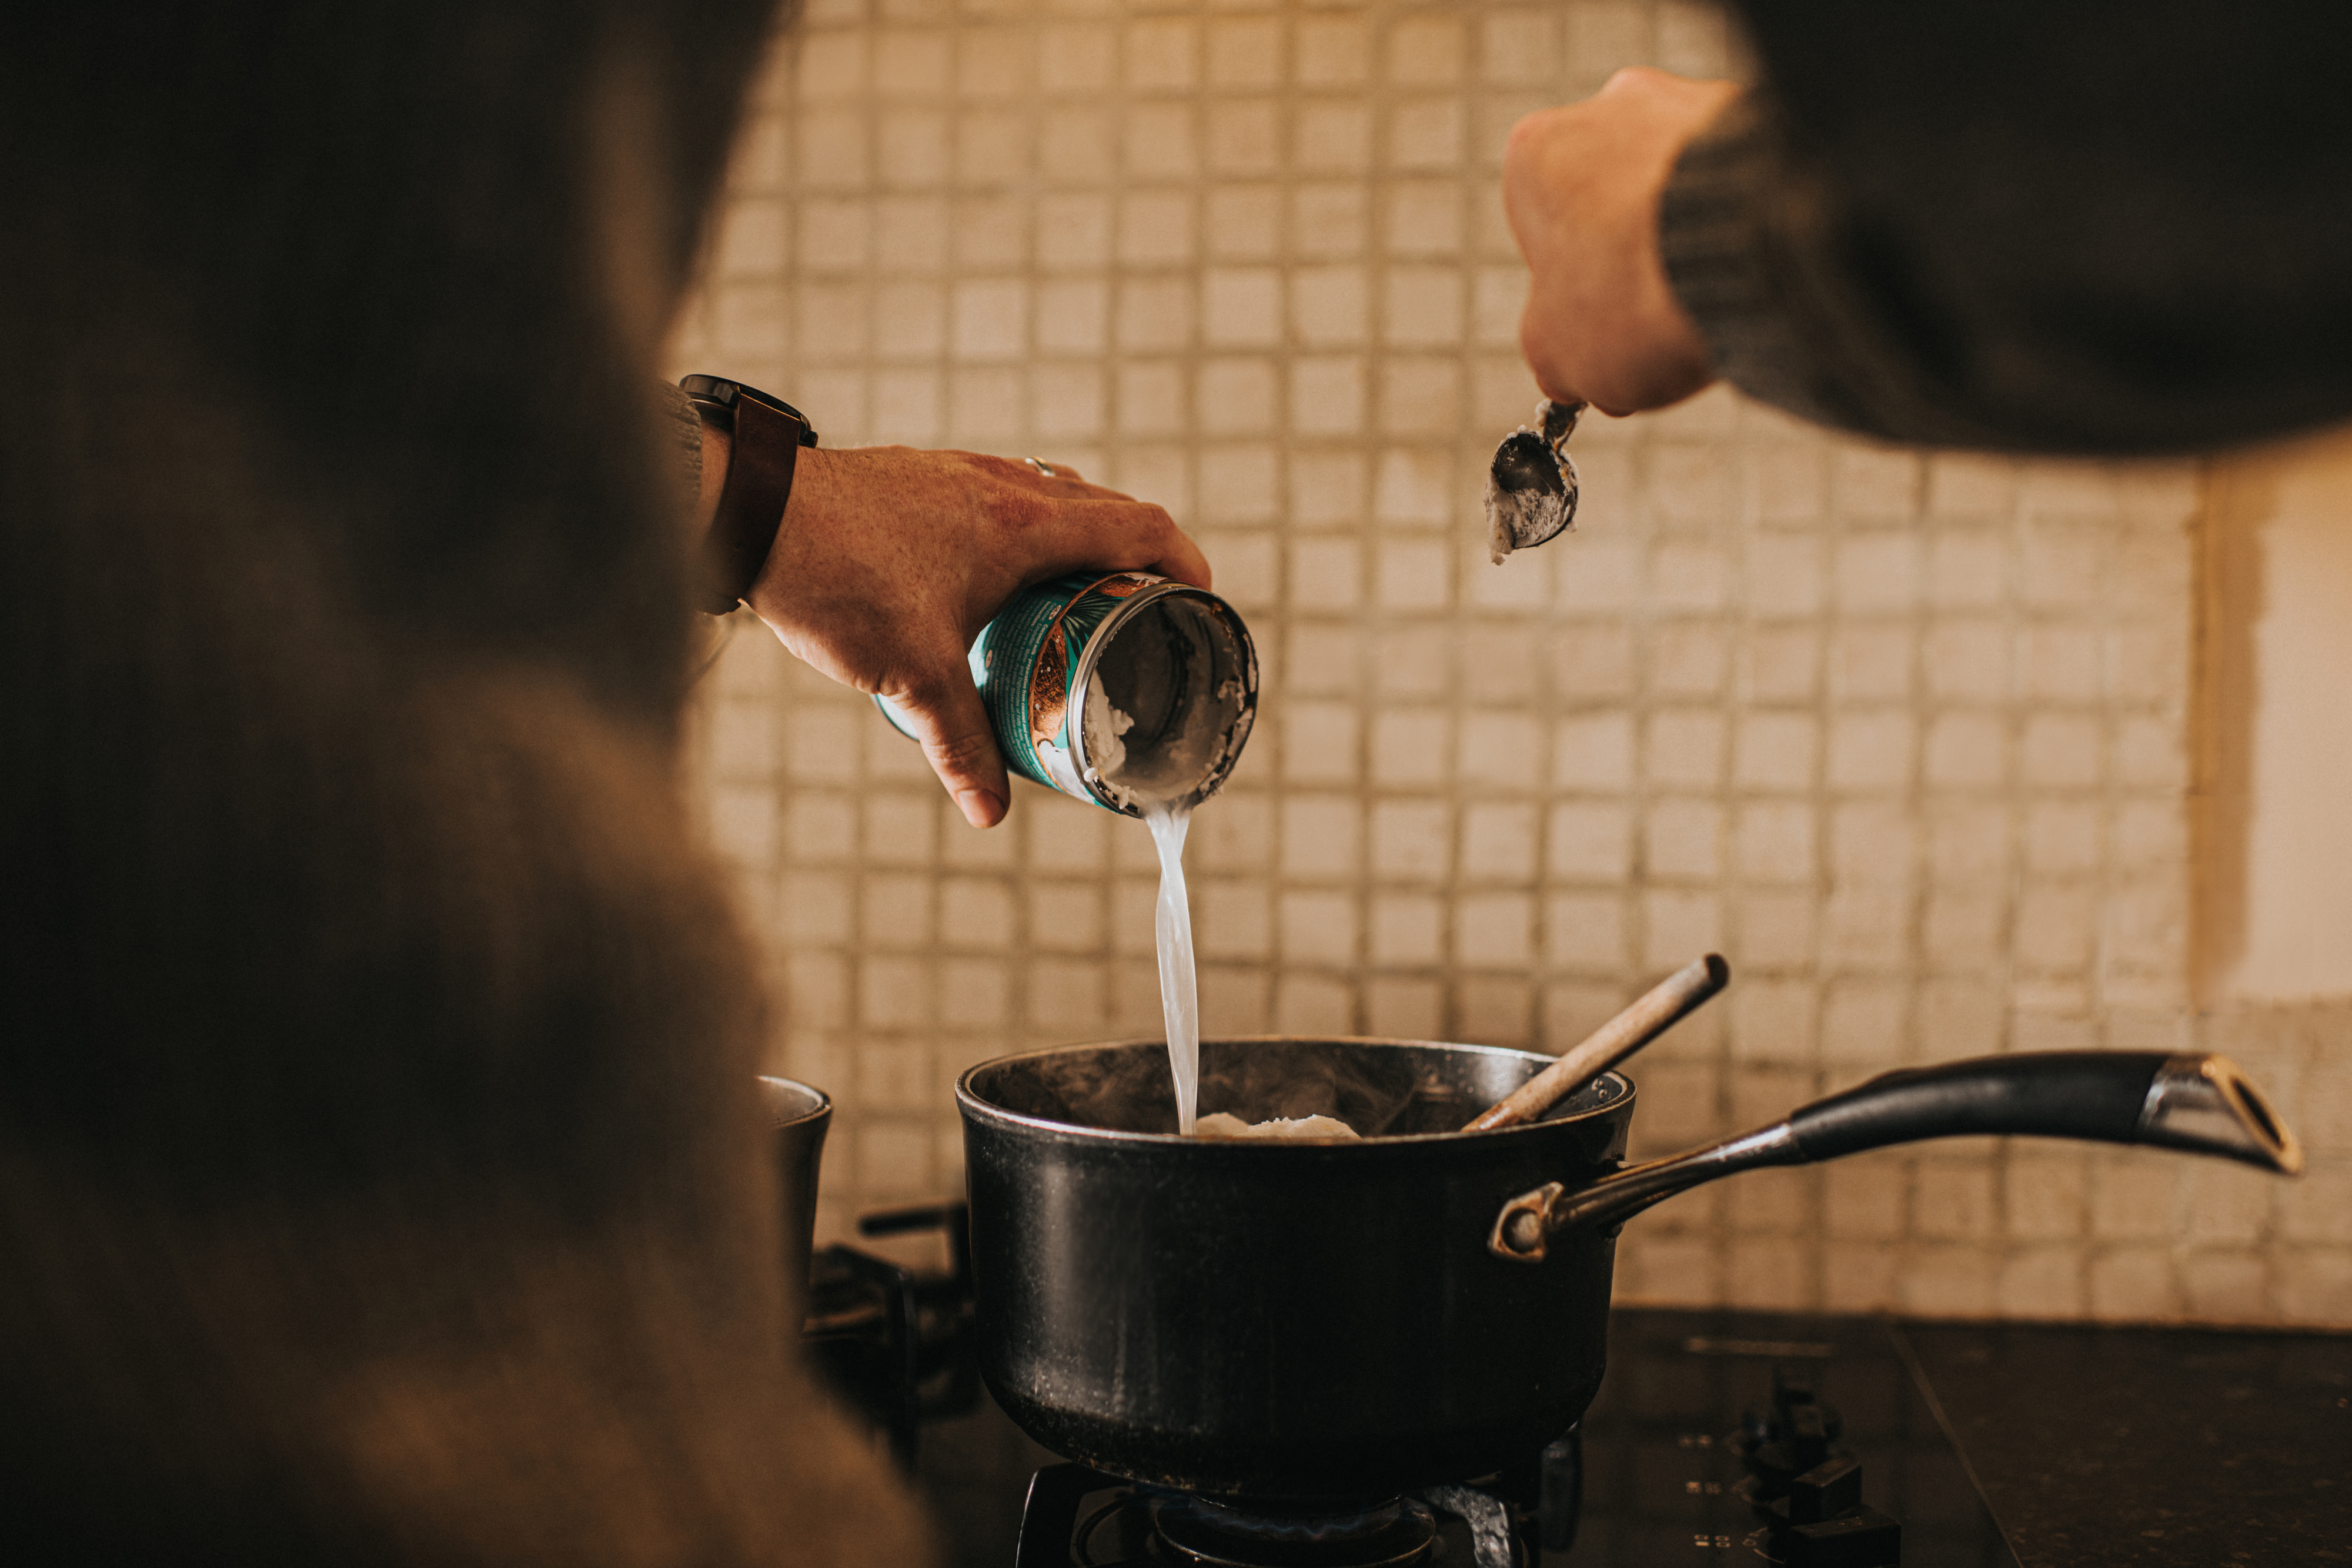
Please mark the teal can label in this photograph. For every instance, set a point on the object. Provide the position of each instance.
(1116, 689)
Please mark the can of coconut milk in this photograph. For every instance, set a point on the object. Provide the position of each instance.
(1120, 688)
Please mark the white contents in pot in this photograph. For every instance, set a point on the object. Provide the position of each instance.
(1226, 1124)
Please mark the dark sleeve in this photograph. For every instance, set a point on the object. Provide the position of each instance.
(682, 439)
(2030, 225)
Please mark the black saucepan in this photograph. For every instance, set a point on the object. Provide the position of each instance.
(1345, 1320)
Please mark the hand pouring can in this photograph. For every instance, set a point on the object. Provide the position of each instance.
(1116, 689)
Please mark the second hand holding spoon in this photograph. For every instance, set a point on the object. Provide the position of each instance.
(1531, 486)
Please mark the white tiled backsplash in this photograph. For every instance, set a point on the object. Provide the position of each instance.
(1905, 736)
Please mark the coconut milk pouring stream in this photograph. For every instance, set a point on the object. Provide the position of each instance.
(1135, 693)
(1180, 989)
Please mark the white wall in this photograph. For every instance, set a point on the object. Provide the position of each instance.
(2294, 509)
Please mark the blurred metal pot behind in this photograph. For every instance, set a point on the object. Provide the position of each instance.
(801, 1116)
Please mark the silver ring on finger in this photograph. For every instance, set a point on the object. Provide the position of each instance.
(1042, 467)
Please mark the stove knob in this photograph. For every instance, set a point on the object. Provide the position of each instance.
(1818, 1413)
(1811, 1427)
(1830, 1488)
(1805, 1446)
(1788, 1397)
(1862, 1539)
(1562, 1491)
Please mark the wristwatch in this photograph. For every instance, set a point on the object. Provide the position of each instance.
(766, 436)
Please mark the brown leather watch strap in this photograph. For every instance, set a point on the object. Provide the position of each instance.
(767, 443)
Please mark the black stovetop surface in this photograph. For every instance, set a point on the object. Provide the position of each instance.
(2113, 1447)
(1659, 1474)
(2033, 1445)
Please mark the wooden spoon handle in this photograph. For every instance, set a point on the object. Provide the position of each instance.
(1666, 1005)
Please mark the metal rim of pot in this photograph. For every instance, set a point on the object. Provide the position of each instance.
(790, 1102)
(967, 1097)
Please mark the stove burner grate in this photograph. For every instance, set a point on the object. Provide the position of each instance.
(1396, 1534)
(1080, 1517)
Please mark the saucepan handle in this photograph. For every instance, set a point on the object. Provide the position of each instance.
(2200, 1104)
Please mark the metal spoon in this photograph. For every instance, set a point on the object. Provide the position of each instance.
(1666, 1004)
(1531, 484)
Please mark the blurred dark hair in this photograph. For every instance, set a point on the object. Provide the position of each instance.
(388, 227)
(380, 1177)
(329, 334)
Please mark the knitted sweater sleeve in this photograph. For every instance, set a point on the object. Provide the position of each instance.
(2006, 225)
(681, 440)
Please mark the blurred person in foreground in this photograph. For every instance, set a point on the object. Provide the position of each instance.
(381, 1176)
(2085, 226)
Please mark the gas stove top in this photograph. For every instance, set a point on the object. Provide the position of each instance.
(1720, 1439)
(1717, 1439)
(1076, 1517)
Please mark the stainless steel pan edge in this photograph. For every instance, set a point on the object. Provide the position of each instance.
(2200, 1104)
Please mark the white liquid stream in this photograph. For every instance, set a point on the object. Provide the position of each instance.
(1179, 991)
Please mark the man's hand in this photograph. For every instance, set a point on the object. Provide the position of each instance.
(1581, 185)
(891, 559)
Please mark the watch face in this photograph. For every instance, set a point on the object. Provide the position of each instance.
(723, 393)
(711, 388)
